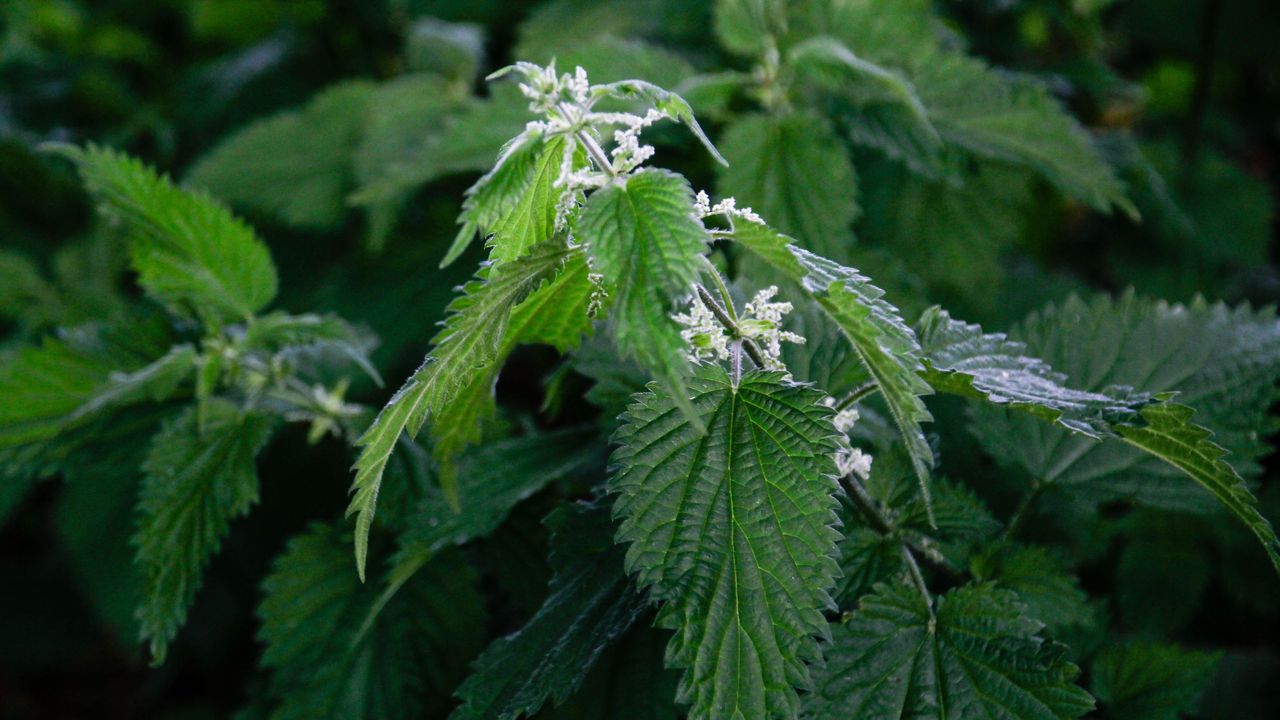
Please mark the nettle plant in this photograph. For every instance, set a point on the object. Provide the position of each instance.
(797, 576)
(764, 531)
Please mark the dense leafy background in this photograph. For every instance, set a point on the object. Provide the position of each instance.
(307, 117)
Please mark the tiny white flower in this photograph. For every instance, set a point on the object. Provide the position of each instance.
(853, 460)
(705, 336)
(845, 419)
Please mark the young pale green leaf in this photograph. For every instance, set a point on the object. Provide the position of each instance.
(645, 241)
(1149, 681)
(732, 530)
(591, 604)
(556, 314)
(979, 657)
(197, 479)
(402, 667)
(470, 343)
(960, 359)
(794, 171)
(883, 342)
(1169, 434)
(499, 191)
(532, 218)
(664, 100)
(190, 252)
(297, 165)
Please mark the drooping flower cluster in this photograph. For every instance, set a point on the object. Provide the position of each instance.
(763, 323)
(849, 459)
(709, 340)
(706, 337)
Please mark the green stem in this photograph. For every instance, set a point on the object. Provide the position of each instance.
(730, 324)
(857, 394)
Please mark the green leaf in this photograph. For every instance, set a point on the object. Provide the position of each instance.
(532, 218)
(400, 132)
(591, 604)
(190, 252)
(492, 480)
(499, 191)
(49, 391)
(1169, 434)
(1221, 361)
(470, 342)
(837, 68)
(883, 342)
(666, 101)
(1150, 681)
(297, 165)
(645, 241)
(1016, 120)
(955, 231)
(1041, 580)
(629, 681)
(556, 314)
(197, 480)
(403, 667)
(979, 657)
(750, 27)
(732, 530)
(794, 172)
(960, 359)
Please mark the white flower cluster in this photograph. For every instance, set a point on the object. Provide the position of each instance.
(761, 322)
(565, 101)
(849, 459)
(706, 337)
(727, 207)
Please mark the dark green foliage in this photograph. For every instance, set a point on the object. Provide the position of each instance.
(698, 433)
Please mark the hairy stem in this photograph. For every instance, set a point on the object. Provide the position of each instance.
(730, 324)
(857, 394)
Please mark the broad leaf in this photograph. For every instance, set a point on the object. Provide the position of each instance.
(189, 251)
(794, 172)
(48, 392)
(402, 667)
(1222, 362)
(645, 240)
(197, 480)
(979, 657)
(732, 530)
(960, 359)
(470, 342)
(297, 165)
(1170, 434)
(492, 480)
(1015, 120)
(1148, 681)
(591, 604)
(883, 342)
